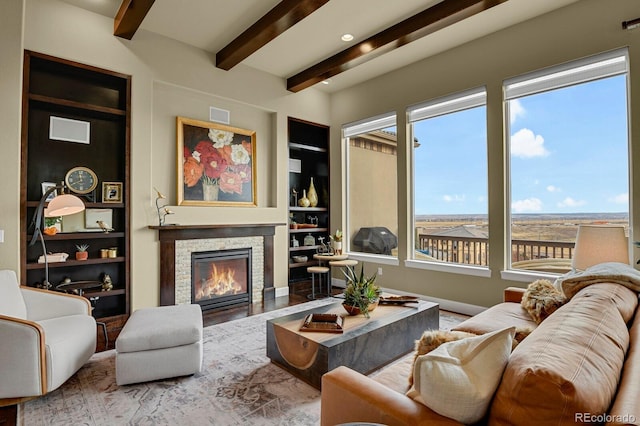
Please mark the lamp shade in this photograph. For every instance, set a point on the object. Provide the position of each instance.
(64, 205)
(598, 244)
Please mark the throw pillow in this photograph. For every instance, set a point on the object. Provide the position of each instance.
(432, 339)
(458, 379)
(541, 299)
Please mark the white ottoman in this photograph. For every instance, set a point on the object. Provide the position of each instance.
(158, 343)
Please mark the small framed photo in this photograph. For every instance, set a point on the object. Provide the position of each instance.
(111, 192)
(45, 187)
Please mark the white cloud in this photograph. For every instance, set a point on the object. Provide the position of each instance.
(525, 144)
(516, 110)
(570, 202)
(553, 188)
(453, 198)
(527, 205)
(620, 199)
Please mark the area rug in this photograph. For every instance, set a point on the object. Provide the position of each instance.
(238, 386)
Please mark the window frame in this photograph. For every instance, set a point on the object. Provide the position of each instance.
(580, 71)
(355, 128)
(443, 105)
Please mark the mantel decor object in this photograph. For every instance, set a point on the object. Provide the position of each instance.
(163, 211)
(216, 164)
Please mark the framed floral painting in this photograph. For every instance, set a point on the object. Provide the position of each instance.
(216, 164)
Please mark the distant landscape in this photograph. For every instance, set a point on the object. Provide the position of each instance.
(541, 227)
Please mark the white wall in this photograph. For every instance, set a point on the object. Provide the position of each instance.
(168, 79)
(583, 28)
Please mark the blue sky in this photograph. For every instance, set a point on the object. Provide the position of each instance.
(568, 154)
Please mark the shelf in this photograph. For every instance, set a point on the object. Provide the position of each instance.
(304, 248)
(77, 105)
(303, 230)
(304, 147)
(116, 292)
(87, 205)
(76, 263)
(308, 209)
(81, 236)
(302, 264)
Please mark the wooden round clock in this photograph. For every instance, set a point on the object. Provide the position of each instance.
(81, 180)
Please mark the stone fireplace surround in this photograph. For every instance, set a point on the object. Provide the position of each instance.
(177, 242)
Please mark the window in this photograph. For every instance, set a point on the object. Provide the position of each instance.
(371, 186)
(568, 151)
(450, 205)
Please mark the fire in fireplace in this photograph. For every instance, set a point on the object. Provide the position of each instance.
(221, 278)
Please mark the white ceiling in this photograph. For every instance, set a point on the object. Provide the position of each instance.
(212, 24)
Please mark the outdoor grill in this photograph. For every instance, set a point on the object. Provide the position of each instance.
(376, 239)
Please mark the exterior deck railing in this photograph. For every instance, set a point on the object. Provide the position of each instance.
(475, 251)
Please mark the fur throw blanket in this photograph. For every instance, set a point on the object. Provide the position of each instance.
(541, 299)
(608, 272)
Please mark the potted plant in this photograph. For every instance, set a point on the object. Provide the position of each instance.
(361, 294)
(81, 253)
(336, 242)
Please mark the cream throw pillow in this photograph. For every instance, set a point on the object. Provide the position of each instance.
(458, 379)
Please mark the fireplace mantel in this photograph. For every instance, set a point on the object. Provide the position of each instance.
(169, 234)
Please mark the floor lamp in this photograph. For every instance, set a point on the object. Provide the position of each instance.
(61, 205)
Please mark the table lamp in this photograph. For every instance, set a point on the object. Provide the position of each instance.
(598, 244)
(61, 205)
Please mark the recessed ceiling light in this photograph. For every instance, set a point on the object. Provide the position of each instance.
(347, 37)
(327, 81)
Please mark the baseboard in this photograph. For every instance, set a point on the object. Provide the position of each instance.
(445, 304)
(282, 291)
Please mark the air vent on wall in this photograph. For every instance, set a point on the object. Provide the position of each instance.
(219, 115)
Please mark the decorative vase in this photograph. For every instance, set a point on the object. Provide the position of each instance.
(210, 191)
(337, 246)
(304, 201)
(312, 195)
(309, 240)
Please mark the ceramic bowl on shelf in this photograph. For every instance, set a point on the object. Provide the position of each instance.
(300, 259)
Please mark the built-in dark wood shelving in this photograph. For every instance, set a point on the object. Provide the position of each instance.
(308, 145)
(62, 88)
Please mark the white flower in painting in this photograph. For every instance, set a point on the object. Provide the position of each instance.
(220, 138)
(239, 155)
(196, 155)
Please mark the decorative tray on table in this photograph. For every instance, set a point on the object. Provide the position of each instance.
(327, 323)
(398, 300)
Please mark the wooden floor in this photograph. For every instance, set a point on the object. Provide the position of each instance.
(297, 294)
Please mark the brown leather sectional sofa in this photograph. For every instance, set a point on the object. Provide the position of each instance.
(580, 365)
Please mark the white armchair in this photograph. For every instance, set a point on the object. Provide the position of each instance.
(45, 337)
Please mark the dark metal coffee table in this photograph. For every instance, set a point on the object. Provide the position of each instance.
(364, 346)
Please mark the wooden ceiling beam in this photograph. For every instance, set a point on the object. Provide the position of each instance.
(130, 17)
(283, 16)
(426, 22)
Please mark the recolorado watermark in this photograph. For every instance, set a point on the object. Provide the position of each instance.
(604, 418)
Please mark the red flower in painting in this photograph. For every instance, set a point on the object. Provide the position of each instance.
(192, 171)
(212, 160)
(231, 182)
